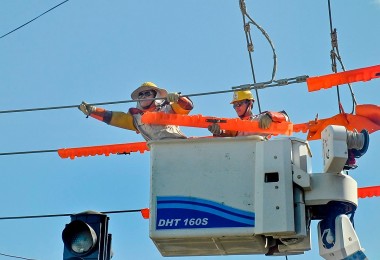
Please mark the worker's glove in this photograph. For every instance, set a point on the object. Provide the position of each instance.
(172, 97)
(86, 108)
(265, 121)
(214, 129)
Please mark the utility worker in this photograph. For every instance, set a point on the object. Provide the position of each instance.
(242, 102)
(146, 96)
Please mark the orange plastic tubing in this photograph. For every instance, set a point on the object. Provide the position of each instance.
(330, 80)
(102, 150)
(367, 117)
(372, 191)
(284, 128)
(370, 111)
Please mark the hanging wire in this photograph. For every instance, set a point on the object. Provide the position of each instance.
(335, 55)
(33, 19)
(68, 214)
(250, 47)
(18, 257)
(261, 85)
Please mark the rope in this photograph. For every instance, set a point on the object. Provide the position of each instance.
(335, 55)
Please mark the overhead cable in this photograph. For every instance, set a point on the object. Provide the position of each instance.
(250, 46)
(33, 19)
(261, 85)
(335, 55)
(68, 214)
(18, 257)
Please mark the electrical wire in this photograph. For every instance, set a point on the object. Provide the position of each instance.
(18, 257)
(335, 55)
(57, 215)
(68, 214)
(29, 152)
(256, 86)
(33, 19)
(250, 47)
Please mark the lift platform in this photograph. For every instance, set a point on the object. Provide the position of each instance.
(242, 195)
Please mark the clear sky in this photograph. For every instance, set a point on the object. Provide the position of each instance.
(100, 51)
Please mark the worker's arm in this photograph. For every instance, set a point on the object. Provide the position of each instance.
(118, 119)
(180, 105)
(266, 118)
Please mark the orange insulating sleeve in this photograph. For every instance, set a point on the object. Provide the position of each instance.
(236, 124)
(372, 191)
(145, 213)
(370, 111)
(359, 122)
(102, 150)
(330, 80)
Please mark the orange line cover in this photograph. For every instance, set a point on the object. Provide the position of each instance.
(102, 150)
(367, 117)
(236, 124)
(371, 191)
(330, 80)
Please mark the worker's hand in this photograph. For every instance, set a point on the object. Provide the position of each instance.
(214, 129)
(172, 97)
(86, 108)
(265, 121)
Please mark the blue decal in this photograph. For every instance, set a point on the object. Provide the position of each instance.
(189, 212)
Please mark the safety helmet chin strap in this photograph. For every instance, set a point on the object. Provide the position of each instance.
(249, 106)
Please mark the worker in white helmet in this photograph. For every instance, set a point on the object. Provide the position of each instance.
(242, 102)
(148, 99)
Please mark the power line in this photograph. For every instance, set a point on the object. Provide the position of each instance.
(261, 85)
(33, 19)
(68, 214)
(28, 152)
(19, 257)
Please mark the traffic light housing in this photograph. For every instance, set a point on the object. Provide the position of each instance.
(86, 237)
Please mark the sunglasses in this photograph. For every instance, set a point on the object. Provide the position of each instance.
(146, 93)
(240, 103)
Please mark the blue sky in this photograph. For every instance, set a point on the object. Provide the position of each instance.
(100, 51)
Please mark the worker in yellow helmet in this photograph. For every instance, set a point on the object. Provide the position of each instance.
(150, 98)
(242, 102)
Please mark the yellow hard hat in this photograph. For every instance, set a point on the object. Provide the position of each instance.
(242, 95)
(148, 86)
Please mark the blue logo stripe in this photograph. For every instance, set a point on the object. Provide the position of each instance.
(206, 203)
(221, 208)
(246, 220)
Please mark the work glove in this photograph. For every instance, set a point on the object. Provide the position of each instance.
(172, 97)
(86, 108)
(265, 121)
(214, 129)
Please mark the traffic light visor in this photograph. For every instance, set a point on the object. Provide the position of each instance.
(79, 237)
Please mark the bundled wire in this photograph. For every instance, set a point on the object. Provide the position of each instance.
(247, 30)
(335, 55)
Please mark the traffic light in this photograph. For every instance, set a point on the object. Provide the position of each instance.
(86, 237)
